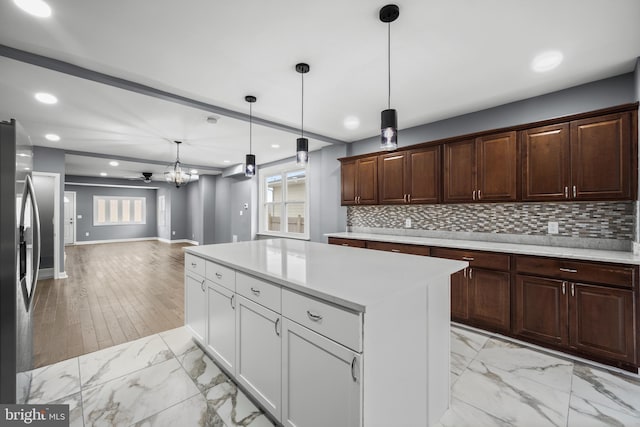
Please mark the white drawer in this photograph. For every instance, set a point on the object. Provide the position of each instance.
(260, 291)
(340, 325)
(194, 264)
(221, 275)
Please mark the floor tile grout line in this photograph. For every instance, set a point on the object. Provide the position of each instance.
(81, 394)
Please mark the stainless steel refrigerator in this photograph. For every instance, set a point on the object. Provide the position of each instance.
(19, 261)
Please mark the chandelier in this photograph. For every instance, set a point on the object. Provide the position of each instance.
(174, 173)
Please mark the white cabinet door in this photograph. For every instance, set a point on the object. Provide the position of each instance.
(321, 381)
(258, 353)
(221, 327)
(196, 306)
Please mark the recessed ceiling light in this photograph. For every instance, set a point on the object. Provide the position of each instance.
(103, 174)
(547, 61)
(27, 169)
(351, 122)
(46, 98)
(34, 7)
(212, 120)
(52, 137)
(113, 163)
(226, 161)
(275, 145)
(194, 171)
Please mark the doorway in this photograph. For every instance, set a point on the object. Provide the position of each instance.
(47, 189)
(69, 218)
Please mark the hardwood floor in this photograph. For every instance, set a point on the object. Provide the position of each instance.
(115, 292)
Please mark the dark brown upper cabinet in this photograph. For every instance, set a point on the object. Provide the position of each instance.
(359, 181)
(483, 169)
(410, 176)
(601, 158)
(586, 159)
(546, 163)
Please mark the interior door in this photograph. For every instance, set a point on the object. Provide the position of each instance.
(69, 215)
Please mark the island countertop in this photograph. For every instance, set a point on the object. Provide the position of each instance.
(349, 277)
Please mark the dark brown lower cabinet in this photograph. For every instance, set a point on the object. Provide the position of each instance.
(591, 319)
(490, 298)
(459, 296)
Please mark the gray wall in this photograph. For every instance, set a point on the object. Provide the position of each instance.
(52, 160)
(194, 211)
(84, 207)
(208, 197)
(222, 214)
(587, 97)
(243, 191)
(179, 212)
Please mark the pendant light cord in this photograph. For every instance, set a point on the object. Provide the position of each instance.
(389, 63)
(250, 127)
(302, 114)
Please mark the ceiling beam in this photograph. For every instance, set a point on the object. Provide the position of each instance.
(87, 74)
(135, 160)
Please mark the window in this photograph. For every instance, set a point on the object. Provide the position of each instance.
(284, 207)
(115, 210)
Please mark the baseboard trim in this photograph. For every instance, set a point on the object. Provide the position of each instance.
(62, 275)
(45, 273)
(193, 242)
(97, 242)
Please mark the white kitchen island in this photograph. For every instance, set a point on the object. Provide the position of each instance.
(324, 335)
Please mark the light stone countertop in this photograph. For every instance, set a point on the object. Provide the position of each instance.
(349, 277)
(619, 257)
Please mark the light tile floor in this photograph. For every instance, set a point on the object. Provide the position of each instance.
(167, 380)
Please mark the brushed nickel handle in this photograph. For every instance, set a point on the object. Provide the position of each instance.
(473, 195)
(575, 191)
(404, 197)
(353, 365)
(573, 290)
(464, 273)
(467, 258)
(233, 306)
(564, 288)
(479, 194)
(219, 276)
(409, 197)
(255, 291)
(276, 326)
(313, 316)
(471, 273)
(193, 264)
(345, 244)
(566, 192)
(395, 250)
(569, 270)
(202, 286)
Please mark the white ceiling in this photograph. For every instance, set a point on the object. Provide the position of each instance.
(448, 58)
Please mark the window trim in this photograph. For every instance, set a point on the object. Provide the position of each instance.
(107, 200)
(282, 169)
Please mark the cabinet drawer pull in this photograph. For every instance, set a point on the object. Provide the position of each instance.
(575, 192)
(194, 265)
(566, 192)
(395, 250)
(573, 289)
(345, 244)
(353, 365)
(276, 326)
(313, 316)
(202, 286)
(232, 301)
(467, 258)
(569, 270)
(219, 276)
(255, 291)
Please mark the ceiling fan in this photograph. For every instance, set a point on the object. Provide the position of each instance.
(146, 177)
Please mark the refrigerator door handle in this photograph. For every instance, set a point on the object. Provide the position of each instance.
(35, 219)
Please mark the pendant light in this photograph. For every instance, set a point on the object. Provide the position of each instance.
(389, 117)
(250, 161)
(302, 143)
(175, 174)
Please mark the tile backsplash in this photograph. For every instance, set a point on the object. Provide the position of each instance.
(588, 221)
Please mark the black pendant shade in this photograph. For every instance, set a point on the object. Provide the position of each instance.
(250, 160)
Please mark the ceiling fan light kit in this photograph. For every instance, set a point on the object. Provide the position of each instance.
(175, 174)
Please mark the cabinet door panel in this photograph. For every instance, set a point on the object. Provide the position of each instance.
(347, 242)
(459, 171)
(348, 182)
(423, 175)
(400, 248)
(221, 331)
(496, 167)
(546, 163)
(541, 309)
(489, 298)
(459, 296)
(367, 180)
(602, 322)
(392, 178)
(600, 157)
(196, 307)
(258, 353)
(319, 374)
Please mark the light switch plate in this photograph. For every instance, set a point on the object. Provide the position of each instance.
(552, 228)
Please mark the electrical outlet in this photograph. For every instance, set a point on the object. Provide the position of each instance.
(241, 213)
(173, 233)
(79, 216)
(407, 223)
(234, 238)
(552, 228)
(86, 234)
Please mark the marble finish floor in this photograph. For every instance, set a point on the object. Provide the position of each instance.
(167, 380)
